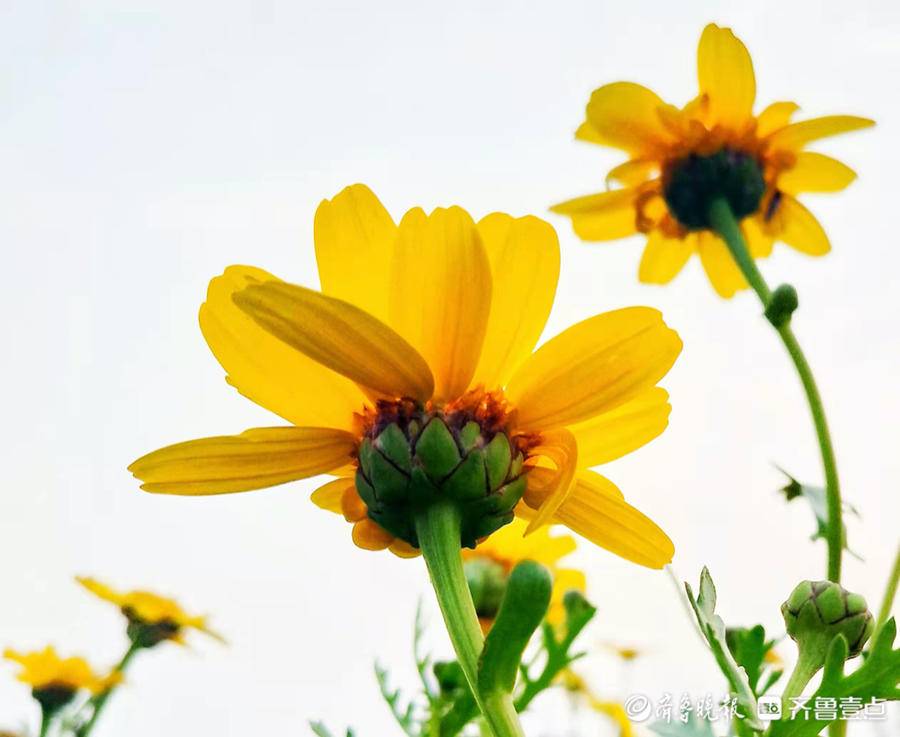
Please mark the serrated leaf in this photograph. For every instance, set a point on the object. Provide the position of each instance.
(404, 715)
(749, 647)
(713, 629)
(816, 498)
(877, 678)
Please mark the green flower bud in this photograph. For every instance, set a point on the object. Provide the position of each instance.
(692, 183)
(487, 584)
(149, 634)
(818, 611)
(781, 305)
(411, 457)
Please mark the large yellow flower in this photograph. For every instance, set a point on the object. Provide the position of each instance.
(45, 670)
(509, 546)
(411, 375)
(676, 155)
(156, 616)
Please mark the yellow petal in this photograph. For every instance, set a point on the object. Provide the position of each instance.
(624, 115)
(403, 549)
(815, 173)
(340, 336)
(560, 447)
(101, 590)
(352, 506)
(593, 367)
(774, 117)
(328, 496)
(354, 238)
(370, 536)
(441, 295)
(267, 371)
(524, 259)
(596, 510)
(255, 459)
(720, 266)
(725, 72)
(799, 228)
(664, 257)
(758, 236)
(624, 429)
(633, 172)
(798, 135)
(604, 216)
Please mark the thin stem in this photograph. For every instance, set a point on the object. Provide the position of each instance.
(890, 592)
(46, 720)
(724, 223)
(438, 529)
(804, 670)
(99, 701)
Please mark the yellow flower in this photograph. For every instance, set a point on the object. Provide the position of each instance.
(576, 685)
(509, 546)
(44, 670)
(155, 618)
(678, 158)
(412, 373)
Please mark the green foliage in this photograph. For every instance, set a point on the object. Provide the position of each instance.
(405, 715)
(749, 647)
(713, 629)
(524, 606)
(877, 678)
(815, 497)
(320, 730)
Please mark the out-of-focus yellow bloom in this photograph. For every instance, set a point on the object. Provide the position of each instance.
(431, 325)
(165, 615)
(44, 670)
(625, 653)
(663, 142)
(509, 546)
(576, 685)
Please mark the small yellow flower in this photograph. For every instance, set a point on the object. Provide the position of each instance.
(156, 616)
(509, 546)
(44, 670)
(410, 377)
(577, 686)
(715, 145)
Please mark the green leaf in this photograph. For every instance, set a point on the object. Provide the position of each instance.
(713, 629)
(321, 730)
(816, 498)
(523, 608)
(749, 648)
(877, 678)
(405, 716)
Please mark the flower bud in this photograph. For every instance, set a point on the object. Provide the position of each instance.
(781, 305)
(818, 611)
(692, 183)
(411, 458)
(53, 697)
(487, 584)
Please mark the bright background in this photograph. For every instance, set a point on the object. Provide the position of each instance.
(146, 146)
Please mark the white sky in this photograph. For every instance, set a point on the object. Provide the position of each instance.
(145, 146)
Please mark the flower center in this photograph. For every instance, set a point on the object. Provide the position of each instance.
(692, 183)
(412, 456)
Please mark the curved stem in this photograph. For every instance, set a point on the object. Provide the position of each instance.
(890, 592)
(724, 223)
(99, 701)
(438, 528)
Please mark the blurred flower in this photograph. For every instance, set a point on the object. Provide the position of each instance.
(55, 680)
(509, 546)
(151, 618)
(625, 653)
(681, 159)
(411, 378)
(577, 686)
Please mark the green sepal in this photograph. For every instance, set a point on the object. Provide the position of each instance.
(437, 451)
(521, 612)
(497, 459)
(394, 445)
(469, 435)
(467, 481)
(391, 482)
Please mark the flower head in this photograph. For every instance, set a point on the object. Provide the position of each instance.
(151, 618)
(55, 680)
(411, 377)
(680, 160)
(490, 563)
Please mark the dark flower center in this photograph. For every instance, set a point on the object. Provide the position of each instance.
(692, 183)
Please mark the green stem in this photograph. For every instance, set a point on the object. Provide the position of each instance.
(46, 720)
(889, 593)
(99, 701)
(724, 223)
(438, 528)
(804, 670)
